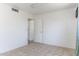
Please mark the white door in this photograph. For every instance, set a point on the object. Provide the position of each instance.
(77, 41)
(38, 30)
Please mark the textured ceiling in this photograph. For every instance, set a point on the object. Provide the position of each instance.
(38, 8)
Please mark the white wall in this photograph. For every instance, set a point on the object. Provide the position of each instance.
(59, 27)
(13, 28)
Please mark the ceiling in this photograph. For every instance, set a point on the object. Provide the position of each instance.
(38, 8)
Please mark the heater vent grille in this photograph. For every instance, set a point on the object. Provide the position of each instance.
(15, 10)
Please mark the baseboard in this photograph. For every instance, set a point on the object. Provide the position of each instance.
(54, 45)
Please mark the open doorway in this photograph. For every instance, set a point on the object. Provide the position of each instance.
(30, 30)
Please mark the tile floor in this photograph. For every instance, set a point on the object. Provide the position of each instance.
(38, 49)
